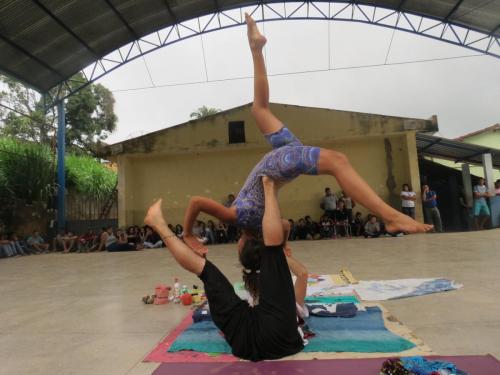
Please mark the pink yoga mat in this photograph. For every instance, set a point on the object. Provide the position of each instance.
(473, 364)
(161, 354)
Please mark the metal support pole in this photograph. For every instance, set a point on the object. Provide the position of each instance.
(61, 171)
(467, 182)
(490, 184)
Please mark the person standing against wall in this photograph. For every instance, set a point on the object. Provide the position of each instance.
(329, 203)
(408, 198)
(431, 211)
(481, 210)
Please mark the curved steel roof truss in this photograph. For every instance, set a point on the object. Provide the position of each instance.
(387, 13)
(397, 19)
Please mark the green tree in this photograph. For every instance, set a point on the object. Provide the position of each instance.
(35, 125)
(90, 116)
(26, 171)
(203, 112)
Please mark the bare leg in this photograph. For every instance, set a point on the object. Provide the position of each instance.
(186, 257)
(266, 121)
(336, 164)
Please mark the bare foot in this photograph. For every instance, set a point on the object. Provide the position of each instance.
(194, 244)
(154, 217)
(255, 38)
(403, 223)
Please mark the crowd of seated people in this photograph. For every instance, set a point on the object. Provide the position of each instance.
(134, 238)
(338, 225)
(11, 245)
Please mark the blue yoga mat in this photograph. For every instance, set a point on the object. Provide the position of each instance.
(364, 333)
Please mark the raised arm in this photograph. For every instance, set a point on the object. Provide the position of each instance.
(300, 286)
(272, 226)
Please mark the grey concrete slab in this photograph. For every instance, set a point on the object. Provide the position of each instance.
(82, 314)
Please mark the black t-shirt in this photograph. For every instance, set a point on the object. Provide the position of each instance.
(341, 215)
(266, 331)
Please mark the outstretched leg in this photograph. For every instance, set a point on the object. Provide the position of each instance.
(336, 164)
(186, 257)
(266, 121)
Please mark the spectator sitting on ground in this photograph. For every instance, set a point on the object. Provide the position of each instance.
(20, 245)
(231, 230)
(211, 232)
(132, 235)
(87, 242)
(326, 227)
(142, 233)
(119, 242)
(372, 227)
(357, 224)
(152, 239)
(292, 236)
(106, 236)
(302, 233)
(199, 231)
(179, 231)
(36, 242)
(312, 228)
(65, 241)
(221, 232)
(8, 247)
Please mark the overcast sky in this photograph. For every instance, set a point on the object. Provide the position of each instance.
(464, 93)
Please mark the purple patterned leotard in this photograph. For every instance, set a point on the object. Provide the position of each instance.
(288, 159)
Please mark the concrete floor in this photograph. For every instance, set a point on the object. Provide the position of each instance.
(82, 314)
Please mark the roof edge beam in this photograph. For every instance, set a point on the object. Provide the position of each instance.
(435, 142)
(469, 157)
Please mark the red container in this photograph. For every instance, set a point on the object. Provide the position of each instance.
(186, 299)
(162, 291)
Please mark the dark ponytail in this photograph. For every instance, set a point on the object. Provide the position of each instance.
(250, 260)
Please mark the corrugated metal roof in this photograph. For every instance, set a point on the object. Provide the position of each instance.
(455, 150)
(44, 42)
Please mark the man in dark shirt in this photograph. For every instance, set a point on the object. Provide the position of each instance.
(431, 211)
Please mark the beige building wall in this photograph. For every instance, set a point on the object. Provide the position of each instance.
(196, 159)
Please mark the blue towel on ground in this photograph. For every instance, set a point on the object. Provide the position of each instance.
(364, 333)
(422, 366)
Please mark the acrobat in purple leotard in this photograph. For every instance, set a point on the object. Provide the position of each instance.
(288, 159)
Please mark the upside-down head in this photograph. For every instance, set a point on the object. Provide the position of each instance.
(250, 260)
